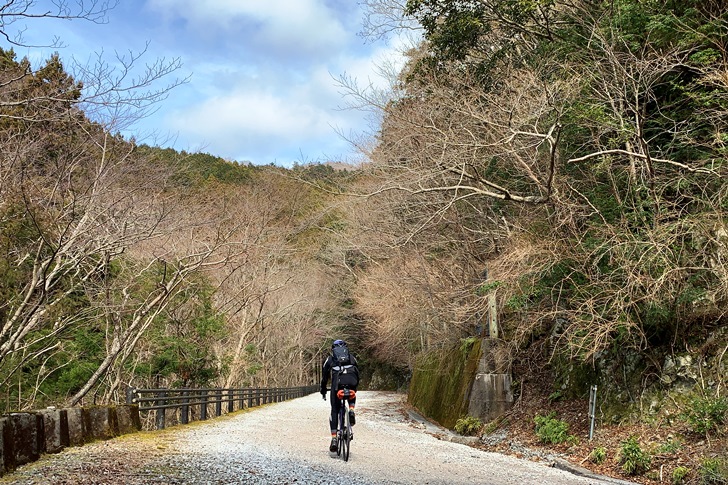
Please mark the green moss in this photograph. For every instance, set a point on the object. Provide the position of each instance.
(572, 378)
(441, 382)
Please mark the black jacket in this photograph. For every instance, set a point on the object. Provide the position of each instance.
(330, 368)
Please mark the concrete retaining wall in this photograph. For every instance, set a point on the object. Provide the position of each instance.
(470, 379)
(25, 436)
(491, 395)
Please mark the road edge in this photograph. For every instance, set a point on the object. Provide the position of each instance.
(555, 462)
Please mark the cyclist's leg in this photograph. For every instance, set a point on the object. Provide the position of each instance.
(352, 415)
(334, 418)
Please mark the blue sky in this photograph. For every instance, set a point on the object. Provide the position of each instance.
(263, 73)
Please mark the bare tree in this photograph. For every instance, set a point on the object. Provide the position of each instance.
(79, 217)
(76, 188)
(454, 137)
(276, 311)
(383, 18)
(128, 320)
(14, 12)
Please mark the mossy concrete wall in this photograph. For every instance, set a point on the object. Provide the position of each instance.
(441, 382)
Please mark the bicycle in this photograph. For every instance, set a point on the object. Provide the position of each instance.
(344, 432)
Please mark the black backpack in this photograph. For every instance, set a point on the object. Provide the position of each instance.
(341, 355)
(344, 372)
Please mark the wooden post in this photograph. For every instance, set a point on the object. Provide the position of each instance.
(185, 411)
(130, 393)
(203, 406)
(160, 412)
(492, 317)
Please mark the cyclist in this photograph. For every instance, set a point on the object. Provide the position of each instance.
(342, 368)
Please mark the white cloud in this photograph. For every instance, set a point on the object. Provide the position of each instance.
(252, 114)
(264, 85)
(280, 26)
(262, 124)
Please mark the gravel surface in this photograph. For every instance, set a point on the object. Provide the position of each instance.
(287, 443)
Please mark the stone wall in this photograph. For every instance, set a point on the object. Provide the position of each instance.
(25, 436)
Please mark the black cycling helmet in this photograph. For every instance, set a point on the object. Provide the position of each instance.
(338, 343)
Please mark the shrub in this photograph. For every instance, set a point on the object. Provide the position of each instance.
(555, 396)
(713, 471)
(706, 414)
(634, 461)
(495, 424)
(468, 426)
(598, 455)
(670, 446)
(551, 430)
(679, 474)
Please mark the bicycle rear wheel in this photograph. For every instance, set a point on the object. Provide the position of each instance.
(340, 434)
(346, 433)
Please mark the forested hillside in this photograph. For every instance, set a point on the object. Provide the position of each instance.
(575, 151)
(567, 157)
(134, 265)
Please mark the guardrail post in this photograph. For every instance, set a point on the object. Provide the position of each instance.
(130, 392)
(218, 402)
(185, 410)
(203, 405)
(160, 412)
(231, 401)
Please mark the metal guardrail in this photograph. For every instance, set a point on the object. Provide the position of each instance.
(160, 400)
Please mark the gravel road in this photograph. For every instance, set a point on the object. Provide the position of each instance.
(287, 443)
